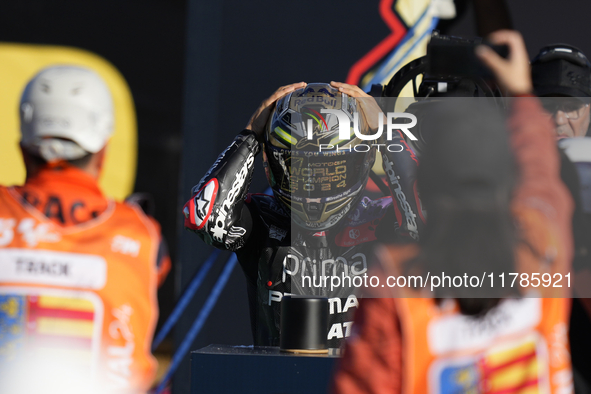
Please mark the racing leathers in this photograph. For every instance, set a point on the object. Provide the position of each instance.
(280, 258)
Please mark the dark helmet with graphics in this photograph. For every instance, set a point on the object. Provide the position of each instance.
(315, 171)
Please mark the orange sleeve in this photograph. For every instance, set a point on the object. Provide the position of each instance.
(539, 185)
(163, 262)
(372, 360)
(164, 265)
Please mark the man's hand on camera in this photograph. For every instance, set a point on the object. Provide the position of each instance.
(513, 74)
(369, 106)
(259, 119)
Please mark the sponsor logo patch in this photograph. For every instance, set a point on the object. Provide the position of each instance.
(357, 235)
(277, 233)
(204, 201)
(218, 229)
(235, 234)
(455, 333)
(409, 215)
(125, 245)
(45, 267)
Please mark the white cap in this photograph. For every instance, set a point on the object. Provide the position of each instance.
(65, 113)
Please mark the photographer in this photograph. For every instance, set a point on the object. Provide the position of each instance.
(561, 76)
(563, 71)
(481, 209)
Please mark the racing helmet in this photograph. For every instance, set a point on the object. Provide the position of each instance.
(314, 173)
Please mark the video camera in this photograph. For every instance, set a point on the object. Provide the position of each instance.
(449, 56)
(450, 69)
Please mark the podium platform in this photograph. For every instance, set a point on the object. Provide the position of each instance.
(222, 369)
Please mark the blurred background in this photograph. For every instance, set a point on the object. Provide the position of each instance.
(197, 69)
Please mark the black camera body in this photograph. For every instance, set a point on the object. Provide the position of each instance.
(455, 56)
(449, 70)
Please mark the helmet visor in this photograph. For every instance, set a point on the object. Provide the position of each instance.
(318, 175)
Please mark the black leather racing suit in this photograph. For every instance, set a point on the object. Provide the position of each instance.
(275, 254)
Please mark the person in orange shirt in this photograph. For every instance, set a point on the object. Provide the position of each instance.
(78, 271)
(492, 197)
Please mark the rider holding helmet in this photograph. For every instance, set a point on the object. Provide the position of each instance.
(318, 221)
